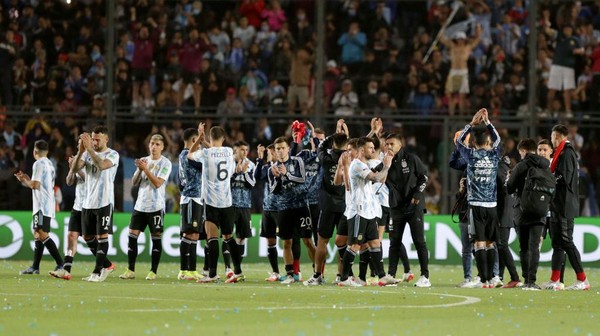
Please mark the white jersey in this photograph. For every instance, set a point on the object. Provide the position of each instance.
(150, 198)
(363, 201)
(43, 197)
(100, 184)
(218, 166)
(381, 190)
(79, 191)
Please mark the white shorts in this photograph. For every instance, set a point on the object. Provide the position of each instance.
(458, 81)
(561, 78)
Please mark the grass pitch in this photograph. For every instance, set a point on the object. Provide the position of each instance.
(42, 305)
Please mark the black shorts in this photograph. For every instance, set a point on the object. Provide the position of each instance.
(221, 217)
(268, 224)
(41, 222)
(153, 220)
(97, 221)
(189, 77)
(385, 218)
(329, 220)
(75, 221)
(362, 230)
(482, 223)
(140, 75)
(294, 223)
(242, 222)
(192, 218)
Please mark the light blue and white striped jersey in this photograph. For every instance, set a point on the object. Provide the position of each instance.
(218, 167)
(150, 198)
(43, 198)
(241, 186)
(79, 191)
(381, 190)
(363, 201)
(100, 184)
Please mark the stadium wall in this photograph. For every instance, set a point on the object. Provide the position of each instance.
(443, 240)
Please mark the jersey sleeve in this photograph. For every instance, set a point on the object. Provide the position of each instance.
(113, 156)
(165, 171)
(359, 169)
(36, 173)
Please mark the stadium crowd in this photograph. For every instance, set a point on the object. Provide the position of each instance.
(254, 57)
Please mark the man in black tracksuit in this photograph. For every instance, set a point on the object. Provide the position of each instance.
(529, 229)
(564, 208)
(406, 181)
(506, 222)
(332, 202)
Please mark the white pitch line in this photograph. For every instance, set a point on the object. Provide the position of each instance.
(467, 300)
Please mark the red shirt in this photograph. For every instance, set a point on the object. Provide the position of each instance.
(143, 54)
(252, 11)
(191, 54)
(596, 60)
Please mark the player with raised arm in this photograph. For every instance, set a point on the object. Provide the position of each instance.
(100, 164)
(77, 177)
(242, 182)
(482, 166)
(332, 200)
(41, 184)
(218, 166)
(268, 226)
(362, 209)
(191, 209)
(149, 210)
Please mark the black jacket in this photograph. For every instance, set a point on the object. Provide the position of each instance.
(331, 197)
(406, 180)
(505, 202)
(516, 184)
(565, 203)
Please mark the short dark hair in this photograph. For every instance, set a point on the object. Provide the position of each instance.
(100, 129)
(319, 131)
(561, 129)
(41, 145)
(240, 143)
(339, 140)
(189, 133)
(480, 134)
(362, 141)
(396, 136)
(353, 143)
(280, 140)
(217, 132)
(271, 146)
(376, 142)
(528, 145)
(545, 142)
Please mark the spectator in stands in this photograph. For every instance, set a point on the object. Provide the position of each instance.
(231, 106)
(219, 38)
(252, 10)
(244, 32)
(353, 44)
(423, 101)
(458, 79)
(345, 101)
(300, 74)
(266, 39)
(370, 99)
(275, 96)
(8, 54)
(248, 101)
(255, 81)
(562, 71)
(143, 53)
(192, 51)
(11, 138)
(274, 15)
(301, 28)
(282, 59)
(68, 104)
(234, 57)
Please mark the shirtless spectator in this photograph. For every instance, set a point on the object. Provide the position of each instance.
(458, 79)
